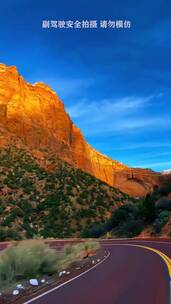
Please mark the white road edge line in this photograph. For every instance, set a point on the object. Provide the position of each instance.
(67, 282)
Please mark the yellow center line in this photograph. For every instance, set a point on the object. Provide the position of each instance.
(164, 257)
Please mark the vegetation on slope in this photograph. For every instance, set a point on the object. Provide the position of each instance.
(131, 219)
(62, 202)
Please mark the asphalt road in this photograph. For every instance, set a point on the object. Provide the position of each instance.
(130, 275)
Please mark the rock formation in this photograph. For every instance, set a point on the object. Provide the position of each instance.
(33, 116)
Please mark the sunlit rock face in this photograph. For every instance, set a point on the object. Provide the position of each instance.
(32, 112)
(33, 116)
(137, 182)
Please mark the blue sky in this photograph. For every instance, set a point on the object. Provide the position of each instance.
(115, 84)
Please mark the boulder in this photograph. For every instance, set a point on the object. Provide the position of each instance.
(34, 282)
(15, 292)
(20, 286)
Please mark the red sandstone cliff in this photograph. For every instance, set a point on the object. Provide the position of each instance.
(35, 117)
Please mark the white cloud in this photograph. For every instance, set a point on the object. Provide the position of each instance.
(105, 107)
(110, 116)
(68, 87)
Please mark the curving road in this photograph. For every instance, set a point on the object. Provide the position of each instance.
(130, 275)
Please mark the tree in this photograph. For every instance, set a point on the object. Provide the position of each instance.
(94, 232)
(160, 221)
(147, 208)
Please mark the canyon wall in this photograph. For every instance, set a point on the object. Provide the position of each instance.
(33, 116)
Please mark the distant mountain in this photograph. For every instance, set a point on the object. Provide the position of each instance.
(168, 171)
(33, 117)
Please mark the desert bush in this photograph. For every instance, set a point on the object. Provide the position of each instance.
(75, 253)
(125, 221)
(71, 255)
(27, 259)
(147, 208)
(164, 203)
(95, 231)
(8, 234)
(91, 246)
(165, 189)
(3, 234)
(130, 228)
(42, 197)
(160, 221)
(34, 258)
(121, 215)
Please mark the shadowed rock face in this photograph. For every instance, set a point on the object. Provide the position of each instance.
(33, 116)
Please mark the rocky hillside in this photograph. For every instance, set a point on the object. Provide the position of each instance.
(52, 199)
(33, 117)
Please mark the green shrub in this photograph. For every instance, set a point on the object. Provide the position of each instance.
(48, 200)
(28, 259)
(25, 260)
(147, 208)
(130, 228)
(160, 221)
(75, 253)
(164, 203)
(3, 234)
(166, 189)
(95, 231)
(91, 246)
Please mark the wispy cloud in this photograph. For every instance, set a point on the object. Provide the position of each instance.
(110, 115)
(68, 87)
(106, 107)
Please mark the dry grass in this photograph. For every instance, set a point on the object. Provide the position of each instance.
(75, 253)
(27, 259)
(33, 258)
